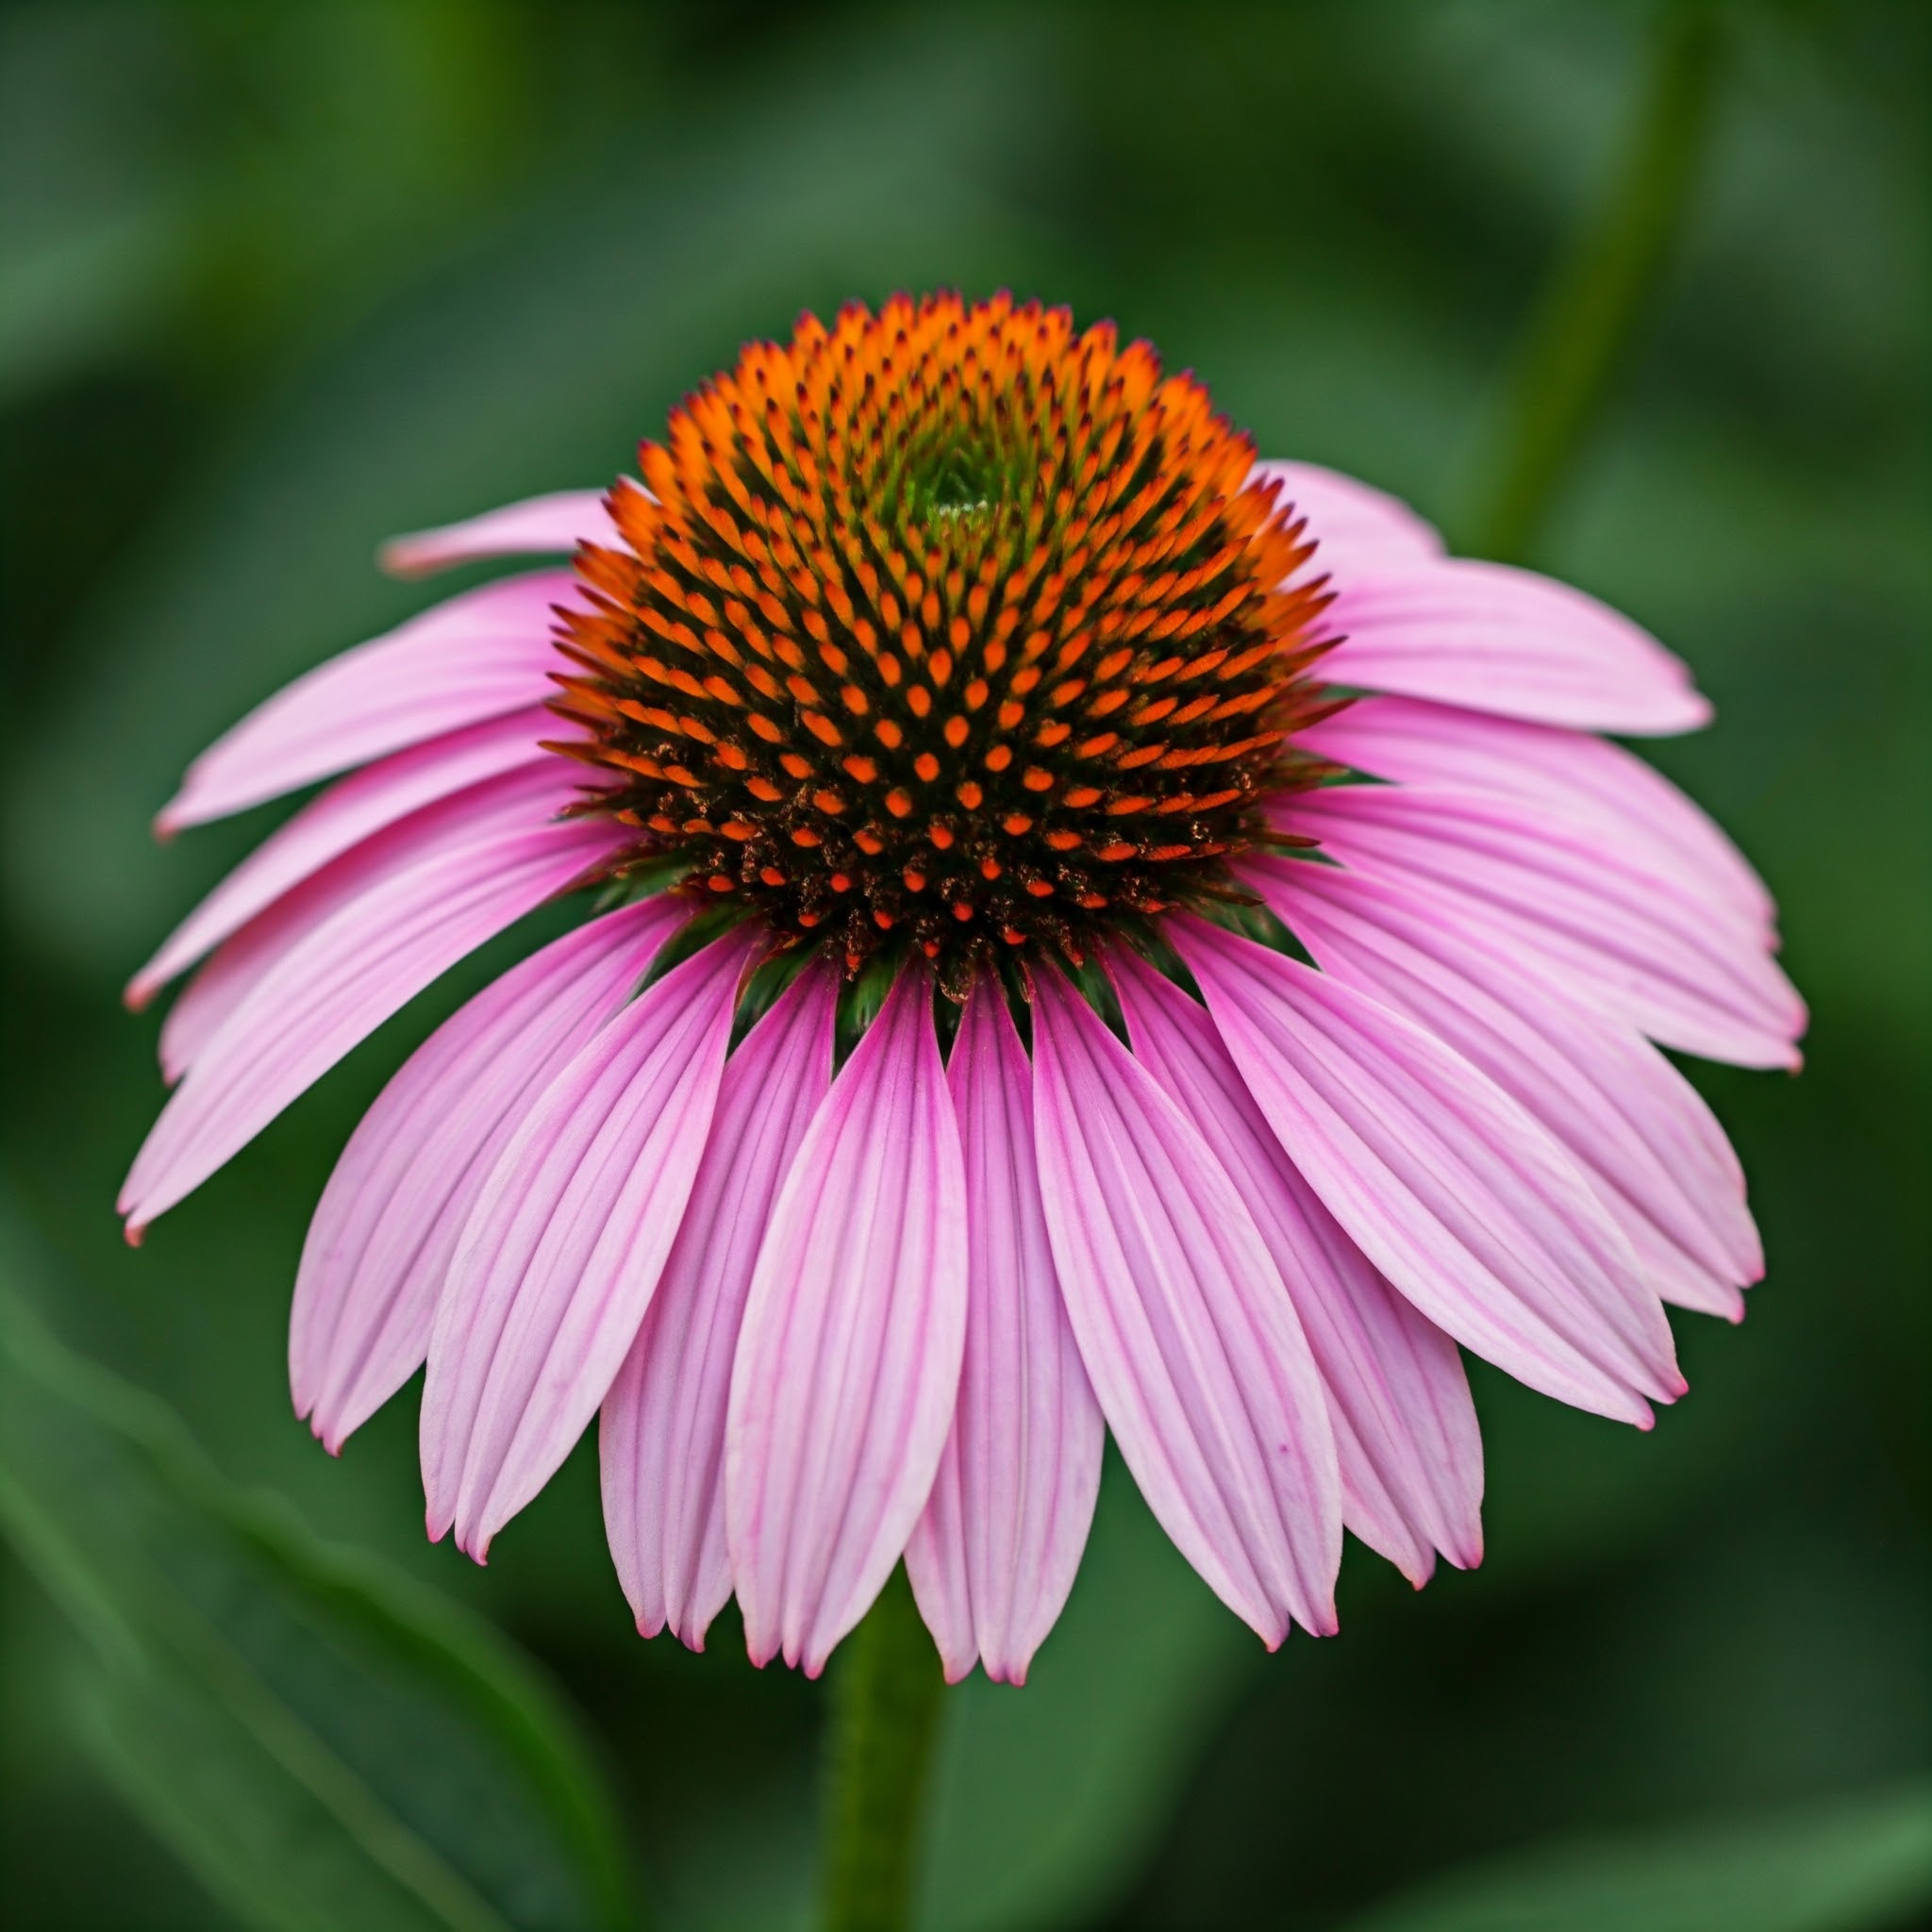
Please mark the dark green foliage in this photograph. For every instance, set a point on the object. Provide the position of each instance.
(323, 1745)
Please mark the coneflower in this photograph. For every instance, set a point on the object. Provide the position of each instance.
(1084, 931)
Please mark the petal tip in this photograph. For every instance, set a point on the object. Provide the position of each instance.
(404, 557)
(474, 1540)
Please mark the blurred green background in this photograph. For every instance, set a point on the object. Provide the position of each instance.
(275, 281)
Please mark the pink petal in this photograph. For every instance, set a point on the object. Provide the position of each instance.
(1355, 527)
(493, 810)
(558, 522)
(341, 983)
(1632, 940)
(995, 1555)
(1190, 1338)
(1447, 1186)
(1627, 802)
(559, 1259)
(379, 1245)
(848, 1362)
(350, 811)
(1497, 639)
(661, 1440)
(474, 656)
(1632, 1124)
(1405, 1432)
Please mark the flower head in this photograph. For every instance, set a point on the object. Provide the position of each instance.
(948, 630)
(1093, 932)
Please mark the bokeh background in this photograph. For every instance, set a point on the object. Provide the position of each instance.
(277, 281)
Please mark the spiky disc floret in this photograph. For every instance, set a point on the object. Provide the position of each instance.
(948, 627)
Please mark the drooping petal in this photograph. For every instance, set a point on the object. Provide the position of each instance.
(558, 522)
(561, 1253)
(379, 1245)
(492, 810)
(848, 1361)
(338, 985)
(1629, 1119)
(1498, 638)
(994, 1557)
(477, 656)
(1625, 801)
(350, 811)
(1355, 527)
(1688, 974)
(661, 1439)
(1405, 1432)
(1189, 1336)
(1448, 1187)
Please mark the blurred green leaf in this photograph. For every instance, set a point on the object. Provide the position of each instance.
(86, 291)
(1852, 1867)
(323, 1746)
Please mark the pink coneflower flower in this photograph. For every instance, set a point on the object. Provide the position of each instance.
(1083, 930)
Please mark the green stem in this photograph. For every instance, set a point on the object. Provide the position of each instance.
(885, 1717)
(1589, 311)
